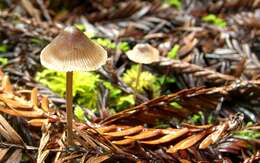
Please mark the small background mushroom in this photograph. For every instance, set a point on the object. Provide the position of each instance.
(142, 54)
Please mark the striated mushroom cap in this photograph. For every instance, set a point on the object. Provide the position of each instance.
(71, 50)
(143, 53)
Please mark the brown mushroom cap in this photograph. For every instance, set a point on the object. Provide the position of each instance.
(71, 50)
(143, 53)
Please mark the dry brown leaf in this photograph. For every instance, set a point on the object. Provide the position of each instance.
(88, 140)
(42, 154)
(37, 122)
(3, 151)
(125, 132)
(71, 156)
(28, 6)
(145, 134)
(18, 103)
(34, 97)
(106, 128)
(123, 142)
(18, 113)
(197, 126)
(213, 137)
(83, 158)
(98, 159)
(167, 138)
(5, 134)
(184, 161)
(15, 157)
(45, 104)
(169, 131)
(186, 143)
(12, 135)
(6, 85)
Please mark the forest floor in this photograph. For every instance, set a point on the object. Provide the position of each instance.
(200, 102)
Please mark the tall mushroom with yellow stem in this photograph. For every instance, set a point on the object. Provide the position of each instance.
(72, 51)
(142, 54)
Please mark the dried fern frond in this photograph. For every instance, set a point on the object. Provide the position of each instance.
(170, 140)
(190, 100)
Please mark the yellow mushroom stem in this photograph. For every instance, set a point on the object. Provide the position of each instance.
(69, 78)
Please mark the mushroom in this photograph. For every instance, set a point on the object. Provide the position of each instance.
(72, 51)
(142, 54)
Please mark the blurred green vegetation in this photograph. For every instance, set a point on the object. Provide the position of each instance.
(3, 48)
(175, 3)
(213, 19)
(3, 61)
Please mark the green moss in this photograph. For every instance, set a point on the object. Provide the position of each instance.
(173, 52)
(85, 89)
(38, 41)
(106, 43)
(166, 79)
(160, 124)
(81, 27)
(196, 118)
(84, 85)
(146, 81)
(175, 105)
(175, 3)
(247, 134)
(3, 48)
(123, 46)
(124, 102)
(3, 61)
(79, 113)
(213, 19)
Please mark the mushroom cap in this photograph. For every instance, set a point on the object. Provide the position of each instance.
(143, 53)
(71, 50)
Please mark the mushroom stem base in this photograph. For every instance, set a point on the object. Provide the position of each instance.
(69, 79)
